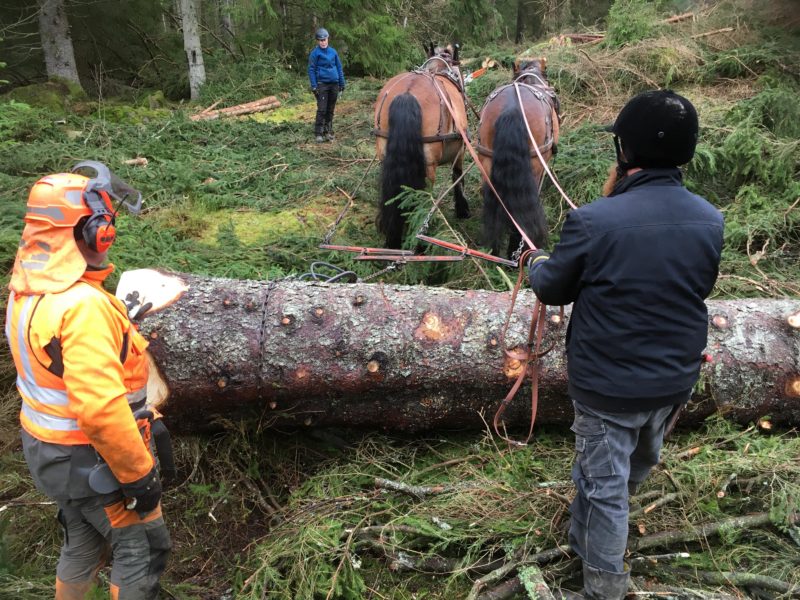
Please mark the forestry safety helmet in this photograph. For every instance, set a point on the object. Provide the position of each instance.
(322, 34)
(658, 128)
(62, 208)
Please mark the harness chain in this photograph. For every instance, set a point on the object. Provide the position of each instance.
(350, 201)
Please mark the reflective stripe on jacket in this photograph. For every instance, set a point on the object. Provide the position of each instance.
(79, 363)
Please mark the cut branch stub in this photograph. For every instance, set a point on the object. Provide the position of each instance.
(410, 357)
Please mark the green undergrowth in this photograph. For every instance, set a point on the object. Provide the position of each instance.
(272, 515)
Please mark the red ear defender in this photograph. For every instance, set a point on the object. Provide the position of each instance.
(99, 231)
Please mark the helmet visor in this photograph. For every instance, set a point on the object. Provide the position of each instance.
(102, 179)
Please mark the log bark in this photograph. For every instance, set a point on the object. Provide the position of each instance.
(410, 357)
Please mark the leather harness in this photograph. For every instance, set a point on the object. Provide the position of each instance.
(450, 75)
(543, 93)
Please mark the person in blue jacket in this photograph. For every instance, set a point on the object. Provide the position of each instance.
(327, 82)
(638, 265)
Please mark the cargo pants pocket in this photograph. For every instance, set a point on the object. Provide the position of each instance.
(591, 445)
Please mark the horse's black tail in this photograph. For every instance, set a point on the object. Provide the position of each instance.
(514, 180)
(403, 165)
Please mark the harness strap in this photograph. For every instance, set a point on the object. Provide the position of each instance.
(539, 154)
(427, 139)
(529, 358)
(484, 151)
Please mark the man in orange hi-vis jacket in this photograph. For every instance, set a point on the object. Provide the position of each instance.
(82, 375)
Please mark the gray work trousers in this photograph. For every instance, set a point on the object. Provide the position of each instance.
(612, 449)
(99, 529)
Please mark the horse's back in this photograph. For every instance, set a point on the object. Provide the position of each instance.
(539, 115)
(426, 89)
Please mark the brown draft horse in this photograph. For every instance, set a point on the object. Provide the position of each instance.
(415, 133)
(505, 151)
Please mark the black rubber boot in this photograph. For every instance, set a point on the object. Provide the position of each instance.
(329, 131)
(604, 585)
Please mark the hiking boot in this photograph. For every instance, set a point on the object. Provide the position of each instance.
(330, 137)
(319, 139)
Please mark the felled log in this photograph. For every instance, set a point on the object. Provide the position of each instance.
(260, 105)
(565, 39)
(678, 18)
(411, 357)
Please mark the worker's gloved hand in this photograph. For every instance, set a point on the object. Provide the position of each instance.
(143, 495)
(341, 89)
(537, 258)
(136, 306)
(315, 91)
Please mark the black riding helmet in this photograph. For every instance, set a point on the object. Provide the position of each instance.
(658, 128)
(322, 34)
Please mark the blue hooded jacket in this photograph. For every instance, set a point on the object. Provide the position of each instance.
(638, 265)
(324, 66)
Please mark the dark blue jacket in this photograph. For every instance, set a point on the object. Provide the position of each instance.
(638, 265)
(324, 66)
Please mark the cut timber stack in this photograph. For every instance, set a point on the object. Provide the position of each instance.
(255, 106)
(411, 357)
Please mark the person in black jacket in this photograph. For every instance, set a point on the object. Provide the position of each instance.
(638, 264)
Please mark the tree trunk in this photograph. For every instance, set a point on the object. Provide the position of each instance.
(190, 20)
(59, 55)
(520, 23)
(226, 20)
(411, 357)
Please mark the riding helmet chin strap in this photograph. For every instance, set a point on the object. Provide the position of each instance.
(622, 163)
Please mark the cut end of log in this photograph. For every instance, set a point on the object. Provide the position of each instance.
(794, 320)
(157, 390)
(160, 289)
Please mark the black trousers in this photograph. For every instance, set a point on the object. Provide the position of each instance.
(327, 93)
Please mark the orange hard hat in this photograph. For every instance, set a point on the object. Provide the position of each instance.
(48, 259)
(58, 200)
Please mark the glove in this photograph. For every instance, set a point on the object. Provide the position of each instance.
(537, 258)
(341, 89)
(143, 495)
(314, 91)
(136, 306)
